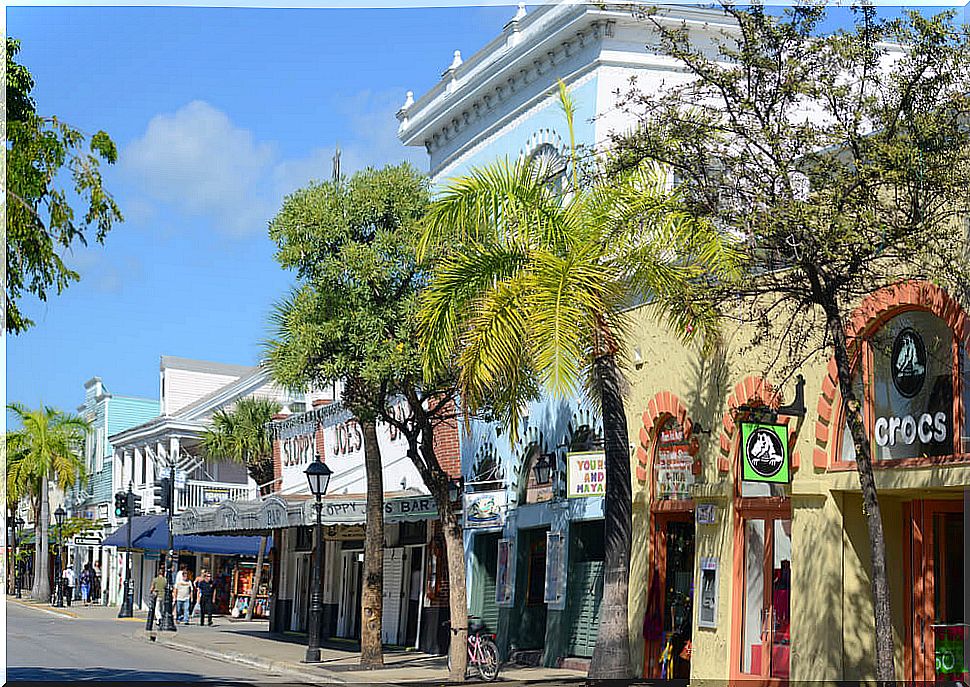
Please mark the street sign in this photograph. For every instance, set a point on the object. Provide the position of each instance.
(180, 479)
(87, 541)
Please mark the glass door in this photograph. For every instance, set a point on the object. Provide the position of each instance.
(939, 592)
(766, 598)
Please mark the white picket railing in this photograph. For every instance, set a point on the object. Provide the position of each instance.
(200, 494)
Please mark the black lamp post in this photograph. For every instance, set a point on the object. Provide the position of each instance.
(318, 475)
(18, 524)
(543, 469)
(59, 516)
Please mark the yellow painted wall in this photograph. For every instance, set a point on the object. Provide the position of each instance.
(831, 622)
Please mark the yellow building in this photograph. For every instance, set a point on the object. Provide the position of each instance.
(769, 580)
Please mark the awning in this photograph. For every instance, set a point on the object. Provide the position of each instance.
(150, 532)
(275, 512)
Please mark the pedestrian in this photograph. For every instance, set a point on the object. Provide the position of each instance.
(183, 597)
(206, 592)
(96, 584)
(87, 581)
(67, 578)
(158, 592)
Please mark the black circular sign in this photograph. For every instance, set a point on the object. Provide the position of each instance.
(908, 362)
(766, 455)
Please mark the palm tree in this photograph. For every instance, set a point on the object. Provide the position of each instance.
(47, 448)
(533, 290)
(240, 436)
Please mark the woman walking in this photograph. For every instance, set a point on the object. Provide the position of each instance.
(87, 581)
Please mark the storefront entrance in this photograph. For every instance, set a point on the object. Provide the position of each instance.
(670, 602)
(936, 613)
(763, 593)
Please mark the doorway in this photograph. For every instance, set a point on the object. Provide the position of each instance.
(936, 613)
(670, 602)
(352, 568)
(763, 598)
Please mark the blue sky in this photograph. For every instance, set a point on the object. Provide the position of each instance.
(218, 113)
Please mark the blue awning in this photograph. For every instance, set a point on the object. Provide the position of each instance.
(150, 532)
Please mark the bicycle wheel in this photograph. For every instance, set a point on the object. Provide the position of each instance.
(488, 668)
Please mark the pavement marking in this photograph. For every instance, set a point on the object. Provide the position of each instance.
(48, 611)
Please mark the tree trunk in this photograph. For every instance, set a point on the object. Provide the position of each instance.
(256, 575)
(611, 655)
(42, 587)
(851, 407)
(372, 596)
(457, 603)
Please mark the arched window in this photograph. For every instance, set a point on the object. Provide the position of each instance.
(550, 163)
(911, 374)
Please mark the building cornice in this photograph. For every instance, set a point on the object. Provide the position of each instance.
(529, 48)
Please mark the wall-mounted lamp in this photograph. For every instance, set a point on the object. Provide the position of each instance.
(637, 358)
(543, 468)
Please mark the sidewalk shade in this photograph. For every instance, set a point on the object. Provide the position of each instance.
(150, 533)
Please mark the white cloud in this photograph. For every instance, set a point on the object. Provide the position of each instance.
(199, 162)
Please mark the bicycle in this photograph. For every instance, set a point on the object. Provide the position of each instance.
(482, 649)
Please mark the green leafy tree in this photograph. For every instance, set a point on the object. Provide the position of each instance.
(43, 153)
(46, 449)
(844, 162)
(239, 435)
(532, 290)
(352, 319)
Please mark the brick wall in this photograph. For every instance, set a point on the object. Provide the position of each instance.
(447, 446)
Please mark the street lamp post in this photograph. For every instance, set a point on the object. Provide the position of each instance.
(127, 602)
(18, 524)
(318, 475)
(59, 515)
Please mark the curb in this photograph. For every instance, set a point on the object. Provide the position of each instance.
(43, 608)
(317, 675)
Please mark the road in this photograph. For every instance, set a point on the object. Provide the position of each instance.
(43, 646)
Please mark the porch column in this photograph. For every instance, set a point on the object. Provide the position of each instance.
(136, 471)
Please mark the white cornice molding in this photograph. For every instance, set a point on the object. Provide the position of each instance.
(543, 39)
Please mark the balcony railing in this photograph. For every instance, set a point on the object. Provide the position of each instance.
(199, 494)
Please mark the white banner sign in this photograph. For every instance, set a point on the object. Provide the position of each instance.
(585, 474)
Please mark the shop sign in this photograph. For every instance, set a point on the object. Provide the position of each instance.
(354, 511)
(555, 592)
(764, 453)
(504, 572)
(212, 496)
(585, 474)
(912, 387)
(706, 514)
(87, 541)
(343, 532)
(673, 462)
(485, 509)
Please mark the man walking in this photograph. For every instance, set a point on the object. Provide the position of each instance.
(183, 597)
(206, 593)
(68, 580)
(158, 594)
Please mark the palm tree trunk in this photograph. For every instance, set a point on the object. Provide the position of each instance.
(611, 656)
(372, 596)
(256, 575)
(42, 588)
(851, 407)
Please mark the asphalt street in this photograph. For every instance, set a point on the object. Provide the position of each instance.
(42, 646)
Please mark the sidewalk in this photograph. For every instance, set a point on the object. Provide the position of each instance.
(250, 643)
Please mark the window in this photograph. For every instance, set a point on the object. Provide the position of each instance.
(551, 164)
(99, 449)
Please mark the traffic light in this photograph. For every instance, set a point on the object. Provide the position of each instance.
(134, 506)
(163, 493)
(121, 504)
